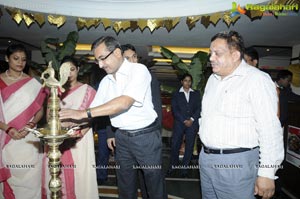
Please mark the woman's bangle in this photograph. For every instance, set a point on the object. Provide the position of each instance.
(31, 124)
(79, 133)
(88, 112)
(8, 129)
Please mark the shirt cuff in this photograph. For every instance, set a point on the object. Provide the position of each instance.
(267, 172)
(192, 119)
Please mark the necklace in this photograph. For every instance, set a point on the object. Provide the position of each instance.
(13, 78)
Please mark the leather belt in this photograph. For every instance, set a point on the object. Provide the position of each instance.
(148, 129)
(226, 151)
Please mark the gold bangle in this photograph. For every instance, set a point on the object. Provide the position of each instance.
(88, 112)
(8, 129)
(31, 124)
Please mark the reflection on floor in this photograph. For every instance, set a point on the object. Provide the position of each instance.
(177, 187)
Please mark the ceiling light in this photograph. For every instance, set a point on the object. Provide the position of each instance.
(169, 60)
(180, 49)
(85, 47)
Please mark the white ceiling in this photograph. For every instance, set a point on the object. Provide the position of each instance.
(127, 9)
(265, 32)
(268, 31)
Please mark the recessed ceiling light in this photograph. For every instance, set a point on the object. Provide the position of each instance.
(268, 49)
(9, 41)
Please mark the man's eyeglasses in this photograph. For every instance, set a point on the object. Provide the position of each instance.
(104, 58)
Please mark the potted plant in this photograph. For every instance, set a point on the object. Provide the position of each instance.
(197, 67)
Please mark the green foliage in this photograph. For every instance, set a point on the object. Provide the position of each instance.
(85, 66)
(196, 69)
(53, 50)
(167, 89)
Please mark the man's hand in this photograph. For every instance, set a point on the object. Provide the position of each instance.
(111, 143)
(188, 123)
(72, 114)
(264, 187)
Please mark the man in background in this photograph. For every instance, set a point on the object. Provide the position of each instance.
(129, 53)
(283, 82)
(251, 56)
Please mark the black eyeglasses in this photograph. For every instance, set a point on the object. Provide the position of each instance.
(104, 58)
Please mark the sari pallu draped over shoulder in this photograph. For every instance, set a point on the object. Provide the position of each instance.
(19, 102)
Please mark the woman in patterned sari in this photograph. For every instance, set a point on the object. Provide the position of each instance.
(78, 156)
(21, 105)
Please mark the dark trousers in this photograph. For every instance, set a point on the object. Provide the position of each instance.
(103, 155)
(190, 133)
(142, 184)
(143, 152)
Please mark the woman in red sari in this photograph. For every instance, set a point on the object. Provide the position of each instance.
(78, 172)
(21, 105)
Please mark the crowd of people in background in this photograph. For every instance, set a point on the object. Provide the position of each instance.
(239, 122)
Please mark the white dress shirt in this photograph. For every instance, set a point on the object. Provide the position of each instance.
(241, 111)
(133, 80)
(186, 94)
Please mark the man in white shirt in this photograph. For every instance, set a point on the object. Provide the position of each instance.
(239, 128)
(125, 95)
(129, 52)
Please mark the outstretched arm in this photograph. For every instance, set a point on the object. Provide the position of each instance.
(115, 106)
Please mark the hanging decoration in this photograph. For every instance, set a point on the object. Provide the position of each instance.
(57, 20)
(205, 21)
(15, 14)
(152, 24)
(171, 23)
(28, 18)
(230, 20)
(133, 25)
(87, 23)
(39, 18)
(254, 14)
(191, 21)
(142, 24)
(215, 18)
(121, 25)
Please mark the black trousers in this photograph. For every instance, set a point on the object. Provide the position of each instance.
(142, 151)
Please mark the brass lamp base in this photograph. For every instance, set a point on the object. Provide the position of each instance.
(54, 165)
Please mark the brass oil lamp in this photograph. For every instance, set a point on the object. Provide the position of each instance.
(53, 134)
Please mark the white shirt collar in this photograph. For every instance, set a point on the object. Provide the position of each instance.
(182, 90)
